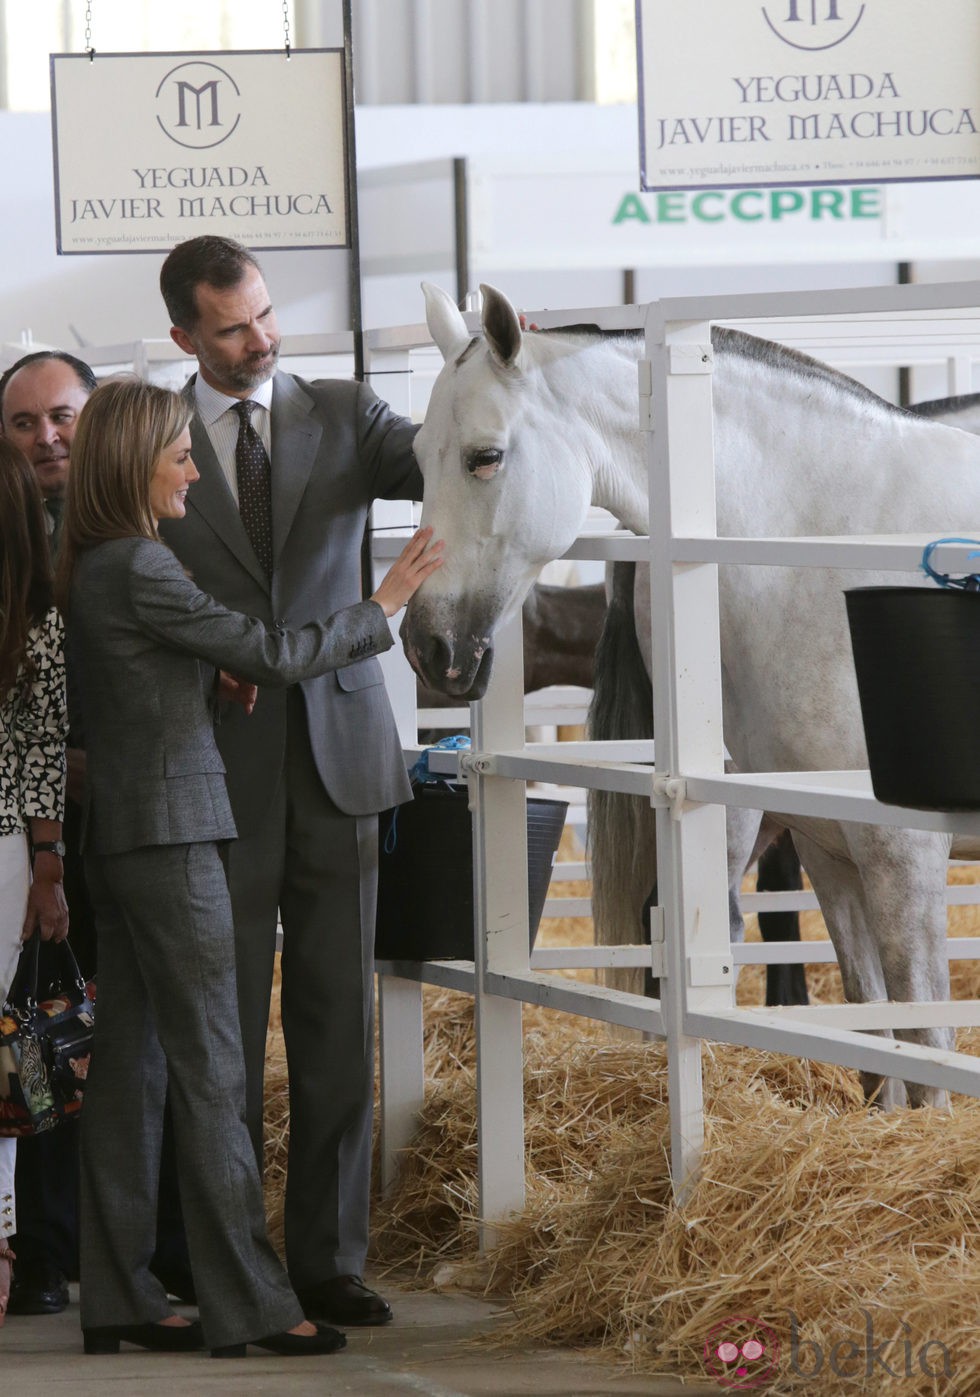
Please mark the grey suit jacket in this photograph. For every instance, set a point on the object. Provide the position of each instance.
(336, 447)
(145, 642)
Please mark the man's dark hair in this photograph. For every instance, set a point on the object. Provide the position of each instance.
(82, 371)
(214, 261)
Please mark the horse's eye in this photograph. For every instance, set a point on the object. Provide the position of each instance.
(485, 463)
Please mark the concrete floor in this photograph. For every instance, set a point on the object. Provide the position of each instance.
(428, 1351)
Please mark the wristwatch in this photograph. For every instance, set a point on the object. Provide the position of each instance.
(50, 846)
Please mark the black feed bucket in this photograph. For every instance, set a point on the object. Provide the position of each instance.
(425, 884)
(917, 657)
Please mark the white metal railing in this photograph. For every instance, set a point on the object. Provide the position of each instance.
(691, 949)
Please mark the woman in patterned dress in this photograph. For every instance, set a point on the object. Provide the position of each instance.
(33, 728)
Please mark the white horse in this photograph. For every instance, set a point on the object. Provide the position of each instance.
(525, 432)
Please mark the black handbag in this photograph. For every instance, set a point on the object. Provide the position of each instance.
(45, 1045)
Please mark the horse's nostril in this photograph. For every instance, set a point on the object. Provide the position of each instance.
(440, 657)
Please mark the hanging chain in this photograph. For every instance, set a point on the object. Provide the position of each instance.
(285, 25)
(88, 31)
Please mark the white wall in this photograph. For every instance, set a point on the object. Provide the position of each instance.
(112, 299)
(476, 51)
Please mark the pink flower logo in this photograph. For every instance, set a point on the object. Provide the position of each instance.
(742, 1353)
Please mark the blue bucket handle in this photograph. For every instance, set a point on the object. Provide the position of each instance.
(969, 583)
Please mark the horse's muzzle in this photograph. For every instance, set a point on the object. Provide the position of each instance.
(459, 670)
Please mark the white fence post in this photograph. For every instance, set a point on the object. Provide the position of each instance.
(502, 944)
(691, 846)
(402, 1069)
(400, 1029)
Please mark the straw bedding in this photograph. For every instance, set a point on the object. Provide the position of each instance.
(862, 1230)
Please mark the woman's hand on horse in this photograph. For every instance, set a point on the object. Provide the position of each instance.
(418, 560)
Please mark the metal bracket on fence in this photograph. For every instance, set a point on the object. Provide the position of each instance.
(471, 766)
(691, 359)
(710, 970)
(682, 359)
(645, 372)
(673, 789)
(477, 763)
(658, 961)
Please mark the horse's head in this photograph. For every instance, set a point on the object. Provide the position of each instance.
(504, 487)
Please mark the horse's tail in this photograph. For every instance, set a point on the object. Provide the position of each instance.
(622, 829)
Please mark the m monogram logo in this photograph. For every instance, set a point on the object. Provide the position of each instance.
(814, 25)
(198, 105)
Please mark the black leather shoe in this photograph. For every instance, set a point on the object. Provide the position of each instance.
(344, 1300)
(325, 1340)
(164, 1338)
(38, 1288)
(176, 1280)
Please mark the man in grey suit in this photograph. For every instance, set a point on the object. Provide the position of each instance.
(274, 528)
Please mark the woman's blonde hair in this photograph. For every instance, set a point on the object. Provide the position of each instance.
(122, 431)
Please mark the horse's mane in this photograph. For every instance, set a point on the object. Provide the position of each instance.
(775, 356)
(936, 406)
(586, 334)
(780, 356)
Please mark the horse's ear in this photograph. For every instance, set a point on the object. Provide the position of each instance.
(446, 326)
(501, 326)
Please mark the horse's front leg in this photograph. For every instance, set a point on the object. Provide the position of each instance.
(837, 883)
(904, 877)
(742, 830)
(779, 870)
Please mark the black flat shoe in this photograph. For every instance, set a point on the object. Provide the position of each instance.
(38, 1288)
(325, 1340)
(165, 1338)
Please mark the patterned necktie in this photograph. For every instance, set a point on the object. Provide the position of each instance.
(54, 504)
(254, 474)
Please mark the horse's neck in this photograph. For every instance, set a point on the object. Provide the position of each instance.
(624, 494)
(799, 455)
(603, 382)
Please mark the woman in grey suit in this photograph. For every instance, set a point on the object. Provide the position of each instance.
(147, 648)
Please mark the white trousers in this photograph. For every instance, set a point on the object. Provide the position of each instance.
(15, 878)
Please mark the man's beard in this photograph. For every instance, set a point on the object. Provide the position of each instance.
(255, 370)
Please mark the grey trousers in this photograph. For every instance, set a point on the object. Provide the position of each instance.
(318, 868)
(166, 1011)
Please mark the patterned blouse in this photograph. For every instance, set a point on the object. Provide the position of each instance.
(33, 728)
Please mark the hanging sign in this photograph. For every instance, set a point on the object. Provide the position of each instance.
(737, 93)
(154, 148)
